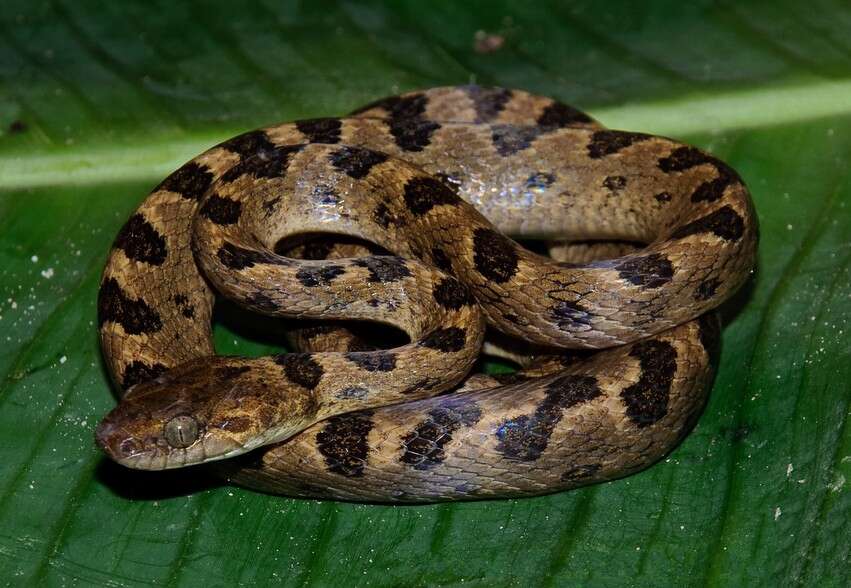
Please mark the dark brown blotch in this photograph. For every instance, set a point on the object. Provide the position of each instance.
(247, 144)
(706, 289)
(134, 316)
(607, 142)
(323, 275)
(399, 107)
(264, 164)
(571, 317)
(222, 211)
(235, 257)
(190, 181)
(511, 139)
(559, 115)
(647, 400)
(384, 268)
(411, 131)
(421, 385)
(494, 255)
(343, 443)
(356, 162)
(373, 361)
(724, 222)
(301, 369)
(140, 241)
(452, 294)
(413, 134)
(424, 193)
(320, 130)
(448, 340)
(138, 372)
(440, 259)
(262, 302)
(423, 447)
(186, 308)
(683, 158)
(525, 437)
(488, 102)
(714, 189)
(648, 271)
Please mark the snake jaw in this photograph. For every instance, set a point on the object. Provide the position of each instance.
(142, 451)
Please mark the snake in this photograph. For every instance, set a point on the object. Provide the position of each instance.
(432, 187)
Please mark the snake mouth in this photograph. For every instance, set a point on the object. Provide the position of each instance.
(129, 451)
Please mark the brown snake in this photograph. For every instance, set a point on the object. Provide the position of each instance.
(433, 179)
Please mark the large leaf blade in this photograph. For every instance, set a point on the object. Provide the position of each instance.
(113, 97)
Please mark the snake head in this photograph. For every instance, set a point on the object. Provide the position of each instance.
(201, 411)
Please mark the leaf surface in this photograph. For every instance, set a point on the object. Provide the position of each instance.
(99, 100)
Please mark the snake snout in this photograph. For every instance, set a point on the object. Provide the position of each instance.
(115, 441)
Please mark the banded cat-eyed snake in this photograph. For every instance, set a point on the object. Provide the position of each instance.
(431, 182)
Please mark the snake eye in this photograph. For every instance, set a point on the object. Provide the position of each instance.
(181, 431)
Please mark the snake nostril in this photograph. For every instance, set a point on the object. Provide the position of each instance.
(114, 441)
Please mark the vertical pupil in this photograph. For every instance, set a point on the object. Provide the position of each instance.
(181, 431)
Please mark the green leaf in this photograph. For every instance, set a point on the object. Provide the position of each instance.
(99, 100)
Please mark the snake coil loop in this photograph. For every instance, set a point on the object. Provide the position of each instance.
(421, 190)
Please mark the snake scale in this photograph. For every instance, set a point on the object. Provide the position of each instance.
(429, 186)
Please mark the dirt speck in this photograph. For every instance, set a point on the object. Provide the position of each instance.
(484, 42)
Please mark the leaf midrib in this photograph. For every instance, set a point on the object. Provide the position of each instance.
(147, 158)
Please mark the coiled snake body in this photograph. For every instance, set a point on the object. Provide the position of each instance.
(434, 179)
